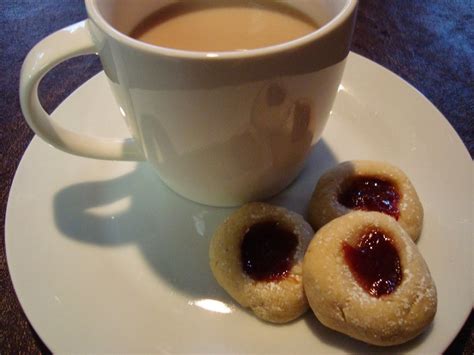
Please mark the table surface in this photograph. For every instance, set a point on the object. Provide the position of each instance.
(429, 43)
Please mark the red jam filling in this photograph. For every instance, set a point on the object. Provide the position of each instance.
(267, 251)
(371, 194)
(374, 263)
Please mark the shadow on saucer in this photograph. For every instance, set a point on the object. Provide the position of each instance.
(171, 232)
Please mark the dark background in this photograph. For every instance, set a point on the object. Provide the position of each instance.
(429, 43)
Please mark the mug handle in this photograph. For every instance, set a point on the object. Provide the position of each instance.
(64, 44)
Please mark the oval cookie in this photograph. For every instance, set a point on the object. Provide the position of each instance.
(364, 277)
(256, 256)
(366, 185)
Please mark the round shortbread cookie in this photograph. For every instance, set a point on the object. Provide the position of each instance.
(279, 298)
(328, 200)
(342, 301)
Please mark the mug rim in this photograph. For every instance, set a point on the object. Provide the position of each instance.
(333, 24)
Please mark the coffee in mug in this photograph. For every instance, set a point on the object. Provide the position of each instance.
(223, 26)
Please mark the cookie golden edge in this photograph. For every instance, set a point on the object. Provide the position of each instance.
(324, 205)
(277, 301)
(341, 304)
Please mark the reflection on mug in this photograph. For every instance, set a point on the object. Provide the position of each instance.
(275, 94)
(285, 123)
(300, 113)
(250, 159)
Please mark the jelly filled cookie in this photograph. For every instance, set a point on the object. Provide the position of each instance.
(368, 186)
(364, 277)
(256, 256)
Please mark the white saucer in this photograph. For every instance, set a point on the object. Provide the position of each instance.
(105, 258)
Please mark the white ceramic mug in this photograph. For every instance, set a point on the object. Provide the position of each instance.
(220, 128)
